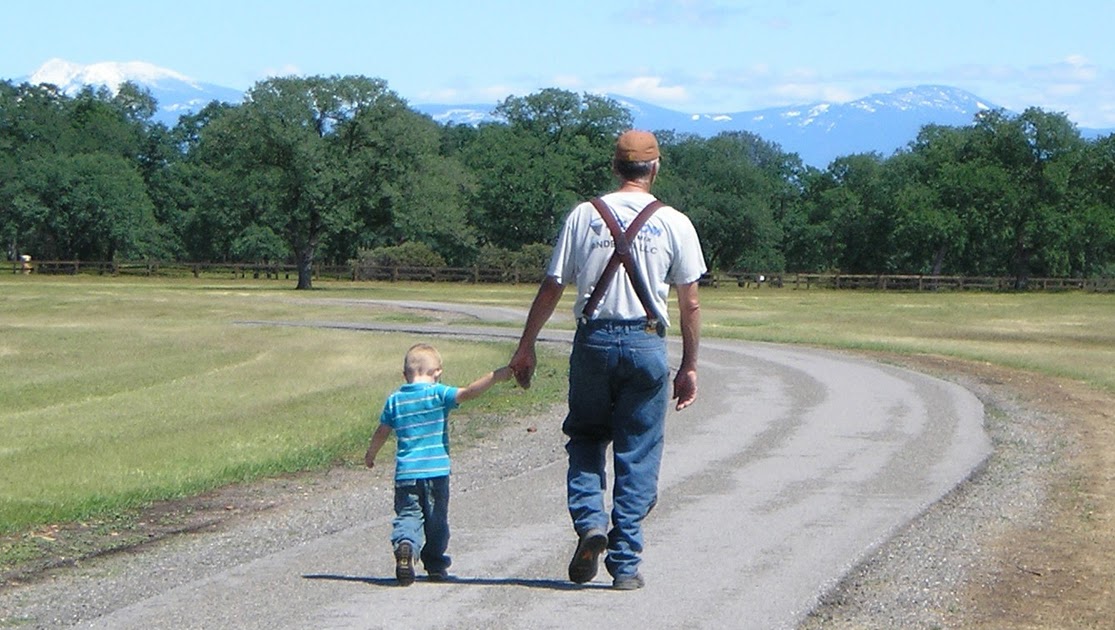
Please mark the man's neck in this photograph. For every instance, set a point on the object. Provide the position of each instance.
(641, 186)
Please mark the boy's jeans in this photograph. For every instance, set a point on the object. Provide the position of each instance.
(422, 517)
(618, 392)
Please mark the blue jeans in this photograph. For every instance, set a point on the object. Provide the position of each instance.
(422, 518)
(618, 392)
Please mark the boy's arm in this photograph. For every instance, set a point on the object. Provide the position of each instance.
(379, 438)
(482, 384)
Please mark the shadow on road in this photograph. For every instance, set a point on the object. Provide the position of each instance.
(553, 585)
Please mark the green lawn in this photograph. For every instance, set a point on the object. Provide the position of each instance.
(119, 391)
(1069, 334)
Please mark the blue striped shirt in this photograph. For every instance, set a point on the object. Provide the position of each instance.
(419, 415)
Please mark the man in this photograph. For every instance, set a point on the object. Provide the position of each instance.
(618, 370)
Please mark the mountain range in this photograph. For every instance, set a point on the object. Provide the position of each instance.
(817, 132)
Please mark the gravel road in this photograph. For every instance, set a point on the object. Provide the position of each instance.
(795, 469)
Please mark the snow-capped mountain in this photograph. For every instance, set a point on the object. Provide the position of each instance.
(881, 123)
(175, 93)
(818, 132)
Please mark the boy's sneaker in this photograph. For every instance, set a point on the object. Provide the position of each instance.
(628, 583)
(582, 567)
(404, 563)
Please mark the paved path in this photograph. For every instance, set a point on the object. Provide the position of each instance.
(791, 467)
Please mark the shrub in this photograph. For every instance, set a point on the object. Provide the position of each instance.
(532, 257)
(412, 254)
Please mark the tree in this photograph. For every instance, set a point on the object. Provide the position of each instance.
(553, 150)
(71, 182)
(862, 216)
(1091, 243)
(323, 158)
(1032, 156)
(732, 186)
(85, 207)
(929, 200)
(194, 191)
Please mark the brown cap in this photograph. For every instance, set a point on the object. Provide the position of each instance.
(636, 146)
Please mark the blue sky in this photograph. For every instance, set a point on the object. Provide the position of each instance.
(692, 55)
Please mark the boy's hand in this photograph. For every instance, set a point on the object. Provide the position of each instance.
(370, 459)
(502, 374)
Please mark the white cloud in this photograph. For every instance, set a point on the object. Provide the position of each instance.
(803, 93)
(568, 82)
(650, 89)
(1075, 67)
(281, 71)
(480, 94)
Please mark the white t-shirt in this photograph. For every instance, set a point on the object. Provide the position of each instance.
(666, 249)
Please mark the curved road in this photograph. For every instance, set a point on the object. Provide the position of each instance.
(792, 466)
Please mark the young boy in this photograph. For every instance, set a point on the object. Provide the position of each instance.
(418, 413)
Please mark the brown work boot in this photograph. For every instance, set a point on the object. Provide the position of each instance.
(582, 567)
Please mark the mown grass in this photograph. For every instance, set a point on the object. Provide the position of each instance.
(1069, 334)
(120, 392)
(115, 392)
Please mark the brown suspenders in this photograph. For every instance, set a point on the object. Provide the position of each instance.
(622, 255)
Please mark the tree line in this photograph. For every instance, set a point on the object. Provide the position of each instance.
(333, 169)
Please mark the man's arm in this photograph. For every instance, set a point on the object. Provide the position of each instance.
(524, 360)
(685, 381)
(482, 384)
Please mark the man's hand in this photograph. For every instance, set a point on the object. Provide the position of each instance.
(685, 388)
(370, 459)
(522, 364)
(524, 361)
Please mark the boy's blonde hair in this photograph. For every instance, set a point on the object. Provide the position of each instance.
(421, 359)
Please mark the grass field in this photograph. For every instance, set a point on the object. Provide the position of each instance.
(1070, 334)
(115, 392)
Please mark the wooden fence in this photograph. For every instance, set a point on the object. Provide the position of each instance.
(260, 271)
(384, 273)
(908, 282)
